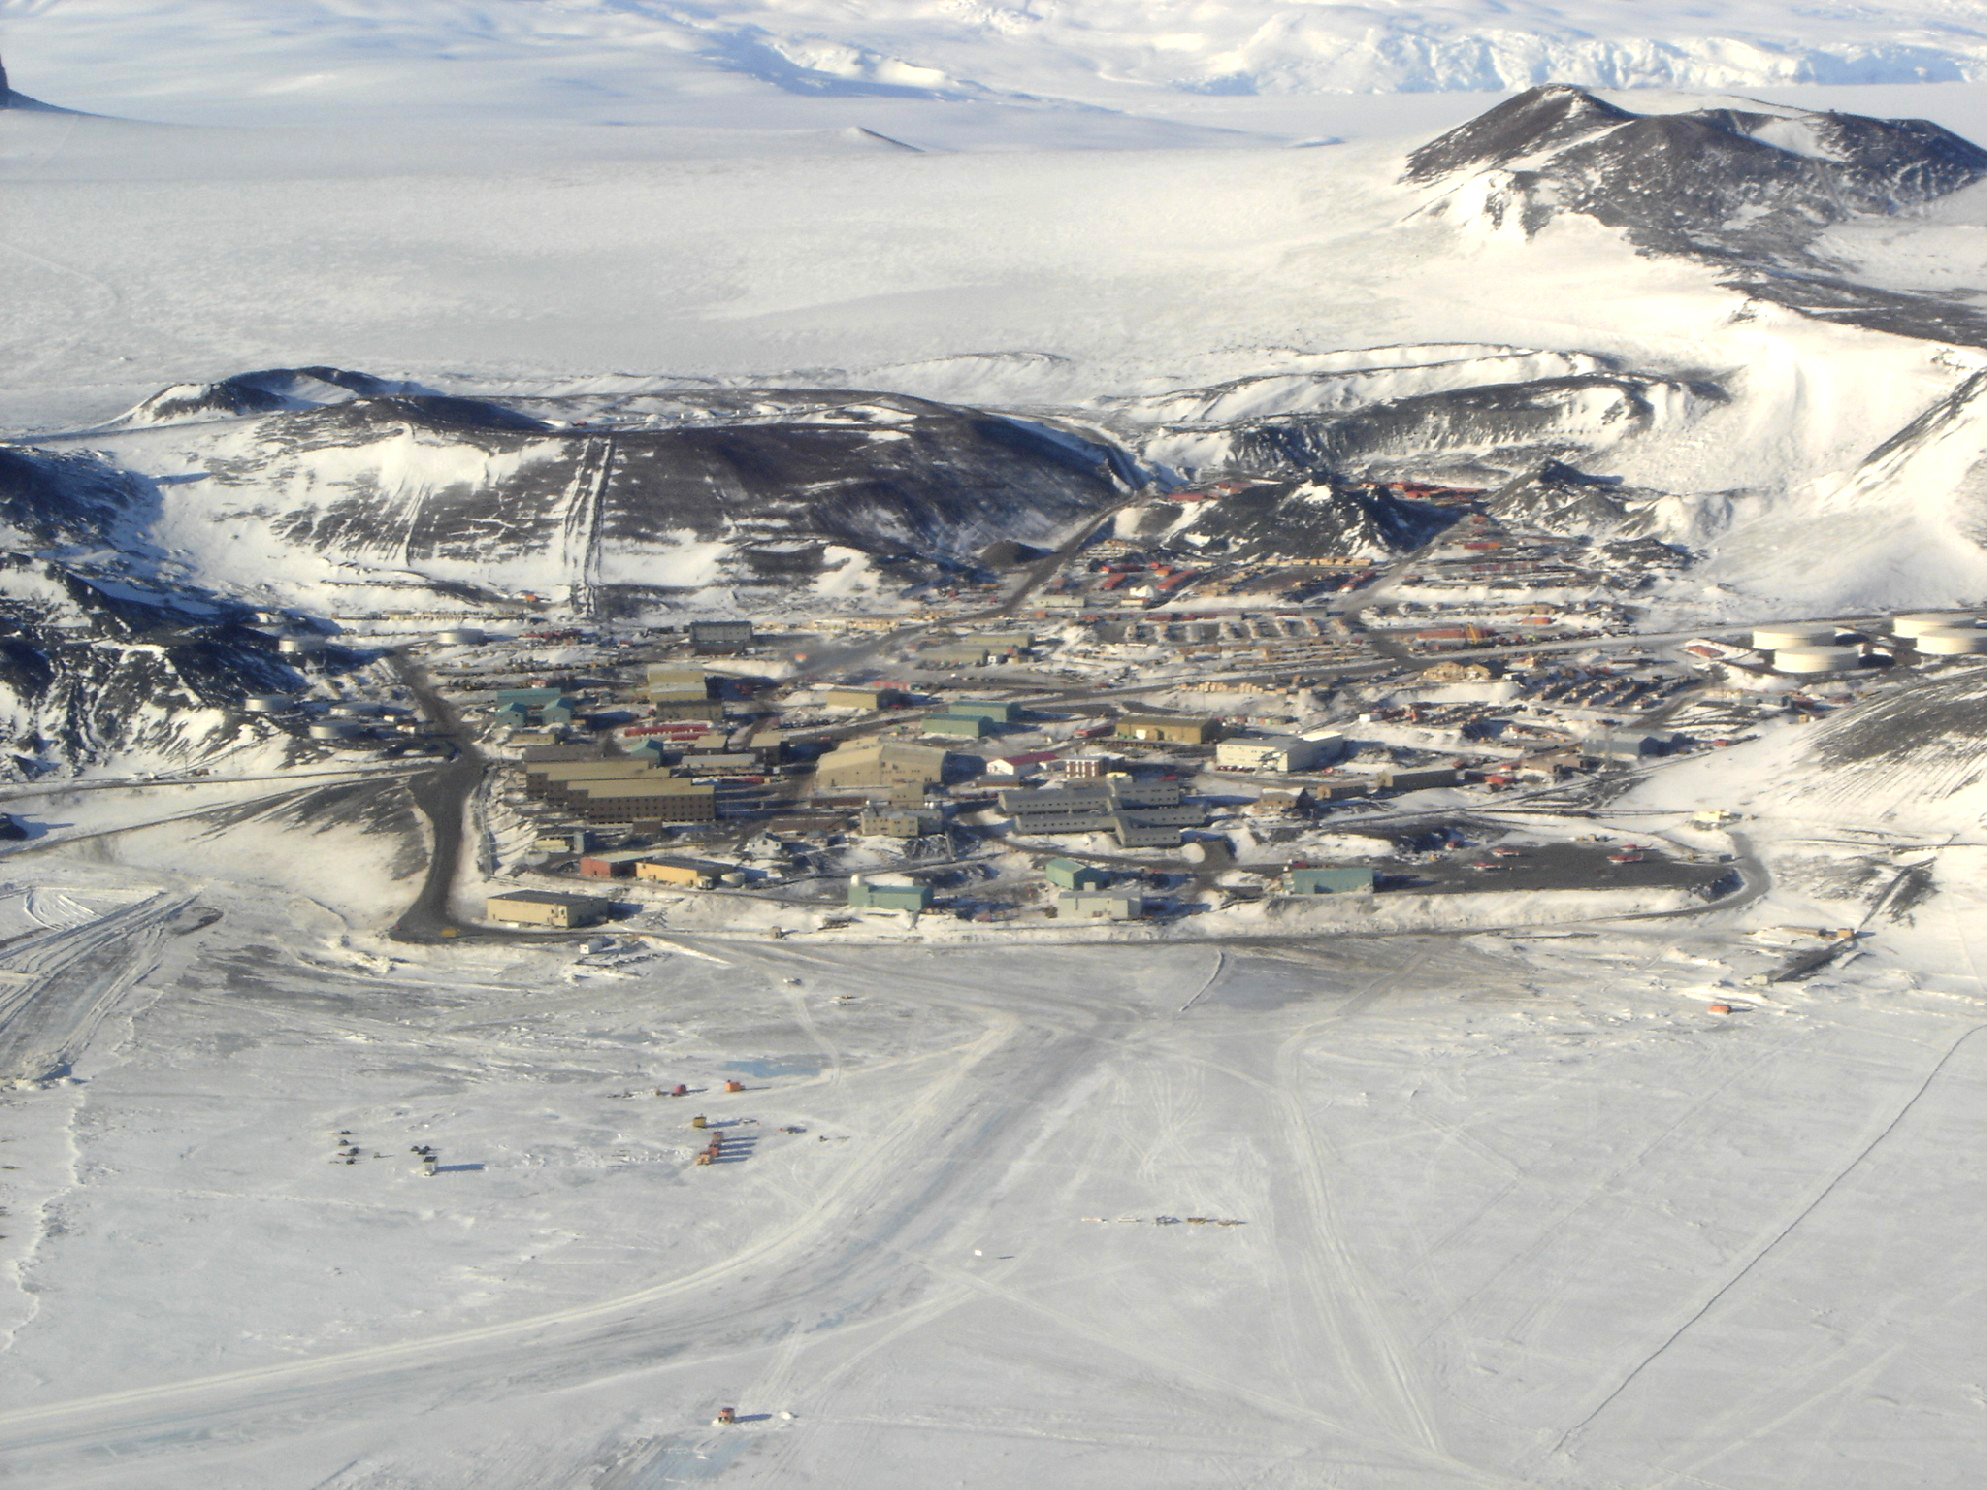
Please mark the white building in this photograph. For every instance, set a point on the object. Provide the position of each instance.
(1274, 753)
(1100, 905)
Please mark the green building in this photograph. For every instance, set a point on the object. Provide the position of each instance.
(1328, 881)
(996, 712)
(888, 895)
(531, 698)
(1068, 874)
(971, 726)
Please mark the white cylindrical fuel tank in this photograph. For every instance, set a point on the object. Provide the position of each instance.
(1920, 622)
(461, 636)
(1804, 634)
(1953, 642)
(1815, 659)
(268, 703)
(333, 729)
(299, 646)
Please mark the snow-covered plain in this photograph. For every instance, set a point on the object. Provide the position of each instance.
(1509, 1207)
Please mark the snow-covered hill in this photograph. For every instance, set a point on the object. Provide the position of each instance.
(93, 672)
(1492, 425)
(626, 386)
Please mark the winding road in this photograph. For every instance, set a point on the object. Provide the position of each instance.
(443, 796)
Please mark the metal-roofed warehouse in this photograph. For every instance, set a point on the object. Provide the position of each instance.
(867, 892)
(1068, 874)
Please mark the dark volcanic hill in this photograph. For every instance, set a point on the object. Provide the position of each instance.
(1479, 434)
(1307, 520)
(1749, 188)
(93, 670)
(12, 100)
(1511, 421)
(1556, 498)
(1721, 180)
(321, 476)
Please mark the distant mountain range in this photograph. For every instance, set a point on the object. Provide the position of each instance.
(597, 54)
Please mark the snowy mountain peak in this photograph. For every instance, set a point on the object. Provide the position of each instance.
(1515, 131)
(275, 390)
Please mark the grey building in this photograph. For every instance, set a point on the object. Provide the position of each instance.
(898, 822)
(1137, 817)
(720, 636)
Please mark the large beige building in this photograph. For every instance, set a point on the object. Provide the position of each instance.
(878, 766)
(544, 908)
(861, 696)
(645, 800)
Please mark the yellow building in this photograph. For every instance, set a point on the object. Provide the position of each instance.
(691, 874)
(1169, 729)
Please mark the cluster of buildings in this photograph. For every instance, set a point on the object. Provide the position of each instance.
(1034, 754)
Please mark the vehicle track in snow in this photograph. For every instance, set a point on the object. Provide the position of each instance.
(1340, 1288)
(66, 981)
(579, 536)
(908, 1188)
(1771, 1244)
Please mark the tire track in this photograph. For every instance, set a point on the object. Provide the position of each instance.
(1339, 1288)
(73, 982)
(1772, 1244)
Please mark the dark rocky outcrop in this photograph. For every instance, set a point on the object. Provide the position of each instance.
(1300, 521)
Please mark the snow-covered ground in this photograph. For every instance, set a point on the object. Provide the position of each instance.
(1394, 1210)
